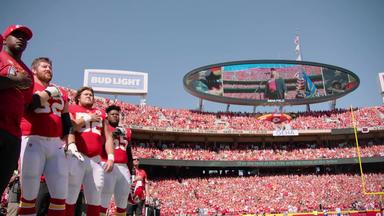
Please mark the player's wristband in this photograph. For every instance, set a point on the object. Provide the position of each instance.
(87, 118)
(111, 157)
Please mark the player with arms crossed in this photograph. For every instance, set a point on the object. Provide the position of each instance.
(16, 86)
(118, 181)
(91, 130)
(42, 152)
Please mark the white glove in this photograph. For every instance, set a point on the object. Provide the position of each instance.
(72, 149)
(53, 91)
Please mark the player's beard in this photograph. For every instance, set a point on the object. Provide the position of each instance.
(17, 49)
(44, 77)
(113, 123)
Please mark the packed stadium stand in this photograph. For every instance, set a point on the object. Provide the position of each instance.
(271, 193)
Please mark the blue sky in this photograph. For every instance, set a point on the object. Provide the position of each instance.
(169, 38)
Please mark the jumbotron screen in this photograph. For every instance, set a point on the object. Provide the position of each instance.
(270, 82)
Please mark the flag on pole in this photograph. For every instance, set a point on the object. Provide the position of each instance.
(297, 48)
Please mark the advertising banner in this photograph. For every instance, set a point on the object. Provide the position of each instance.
(116, 81)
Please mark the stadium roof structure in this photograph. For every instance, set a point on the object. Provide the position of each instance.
(270, 82)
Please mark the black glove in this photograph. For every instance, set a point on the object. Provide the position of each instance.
(119, 131)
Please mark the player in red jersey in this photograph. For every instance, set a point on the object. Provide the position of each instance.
(42, 150)
(118, 181)
(16, 82)
(91, 131)
(139, 191)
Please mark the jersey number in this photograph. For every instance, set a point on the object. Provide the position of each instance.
(56, 107)
(120, 143)
(91, 126)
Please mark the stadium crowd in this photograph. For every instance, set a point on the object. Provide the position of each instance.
(266, 194)
(270, 151)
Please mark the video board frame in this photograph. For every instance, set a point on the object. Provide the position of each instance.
(270, 82)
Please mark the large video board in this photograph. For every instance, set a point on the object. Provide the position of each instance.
(270, 82)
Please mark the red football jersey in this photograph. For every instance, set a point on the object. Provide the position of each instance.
(142, 174)
(89, 139)
(45, 121)
(120, 145)
(13, 99)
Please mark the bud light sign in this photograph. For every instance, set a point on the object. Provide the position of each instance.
(116, 81)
